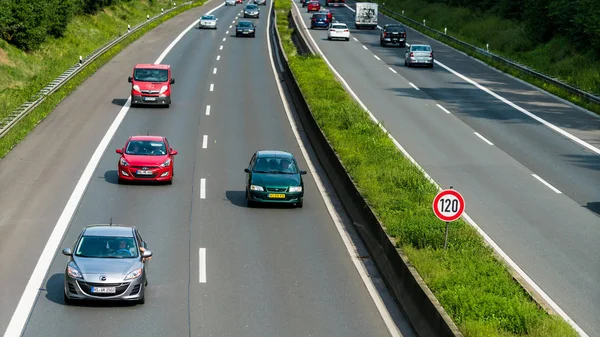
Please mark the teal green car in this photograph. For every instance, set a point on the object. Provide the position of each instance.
(273, 176)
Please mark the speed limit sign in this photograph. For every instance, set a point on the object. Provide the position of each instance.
(448, 205)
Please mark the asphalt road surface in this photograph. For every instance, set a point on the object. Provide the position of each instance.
(268, 271)
(490, 152)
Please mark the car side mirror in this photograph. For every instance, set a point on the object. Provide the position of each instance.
(67, 252)
(172, 81)
(119, 151)
(302, 172)
(130, 79)
(174, 152)
(147, 254)
(217, 19)
(247, 170)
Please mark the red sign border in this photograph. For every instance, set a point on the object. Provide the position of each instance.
(442, 194)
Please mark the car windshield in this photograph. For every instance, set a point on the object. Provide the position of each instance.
(107, 247)
(339, 27)
(421, 48)
(319, 16)
(251, 7)
(280, 165)
(395, 29)
(245, 24)
(146, 148)
(208, 17)
(151, 75)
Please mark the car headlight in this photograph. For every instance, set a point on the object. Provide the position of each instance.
(136, 87)
(256, 188)
(73, 272)
(163, 89)
(123, 162)
(296, 189)
(167, 163)
(250, 30)
(134, 274)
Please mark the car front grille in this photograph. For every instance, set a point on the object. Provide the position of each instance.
(72, 289)
(86, 287)
(276, 189)
(144, 167)
(150, 91)
(148, 176)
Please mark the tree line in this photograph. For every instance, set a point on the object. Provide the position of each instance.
(578, 20)
(27, 23)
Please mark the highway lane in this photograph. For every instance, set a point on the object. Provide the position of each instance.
(549, 235)
(566, 165)
(38, 176)
(270, 272)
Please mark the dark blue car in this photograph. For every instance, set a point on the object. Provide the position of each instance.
(319, 20)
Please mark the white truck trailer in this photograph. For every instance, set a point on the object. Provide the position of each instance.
(366, 15)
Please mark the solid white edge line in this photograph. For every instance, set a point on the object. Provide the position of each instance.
(352, 251)
(556, 190)
(469, 220)
(214, 70)
(377, 57)
(203, 188)
(208, 110)
(392, 70)
(444, 109)
(30, 293)
(204, 141)
(483, 138)
(355, 39)
(414, 86)
(212, 87)
(202, 265)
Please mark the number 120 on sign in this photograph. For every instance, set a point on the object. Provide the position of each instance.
(448, 205)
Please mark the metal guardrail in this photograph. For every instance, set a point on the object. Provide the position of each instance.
(521, 67)
(11, 120)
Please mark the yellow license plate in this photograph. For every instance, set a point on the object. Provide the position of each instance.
(277, 196)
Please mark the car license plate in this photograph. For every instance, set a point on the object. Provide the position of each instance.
(104, 290)
(144, 172)
(149, 98)
(277, 196)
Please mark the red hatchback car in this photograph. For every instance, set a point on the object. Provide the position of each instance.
(313, 5)
(146, 158)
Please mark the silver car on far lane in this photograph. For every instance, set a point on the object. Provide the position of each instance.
(230, 3)
(260, 2)
(208, 21)
(108, 263)
(419, 54)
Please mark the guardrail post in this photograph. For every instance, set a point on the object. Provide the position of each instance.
(147, 17)
(445, 31)
(174, 4)
(162, 10)
(487, 47)
(402, 13)
(80, 60)
(129, 28)
(424, 22)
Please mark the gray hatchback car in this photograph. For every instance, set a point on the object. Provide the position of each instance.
(108, 263)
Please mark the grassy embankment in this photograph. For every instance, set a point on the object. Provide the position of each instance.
(559, 58)
(23, 74)
(472, 285)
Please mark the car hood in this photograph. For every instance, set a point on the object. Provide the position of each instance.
(276, 180)
(134, 160)
(115, 270)
(150, 85)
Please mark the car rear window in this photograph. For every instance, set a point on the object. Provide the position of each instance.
(339, 26)
(395, 28)
(420, 48)
(320, 16)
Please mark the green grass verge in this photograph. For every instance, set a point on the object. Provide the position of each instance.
(559, 58)
(473, 286)
(28, 123)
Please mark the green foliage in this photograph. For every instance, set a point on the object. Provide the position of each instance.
(474, 287)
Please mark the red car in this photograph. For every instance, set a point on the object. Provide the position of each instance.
(314, 5)
(151, 84)
(146, 158)
(238, 1)
(328, 12)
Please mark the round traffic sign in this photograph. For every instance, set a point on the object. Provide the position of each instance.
(448, 205)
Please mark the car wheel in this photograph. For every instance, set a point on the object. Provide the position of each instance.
(300, 204)
(347, 39)
(143, 299)
(121, 181)
(170, 181)
(329, 38)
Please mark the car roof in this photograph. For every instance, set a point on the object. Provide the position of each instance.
(149, 138)
(273, 153)
(108, 230)
(152, 66)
